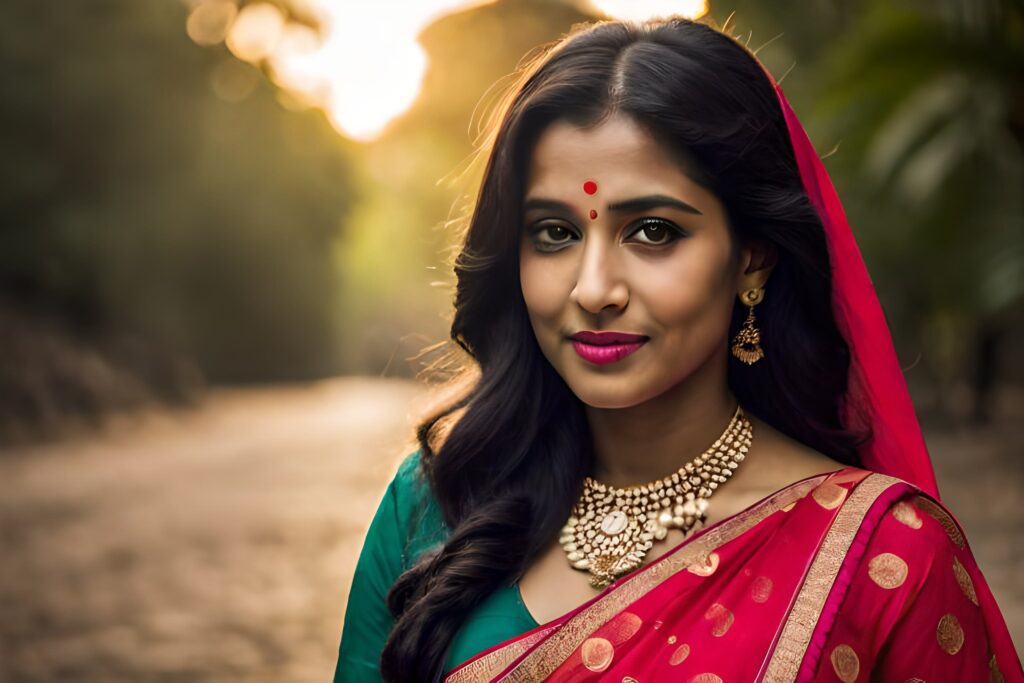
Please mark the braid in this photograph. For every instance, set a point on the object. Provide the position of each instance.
(430, 601)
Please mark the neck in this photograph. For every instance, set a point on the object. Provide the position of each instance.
(648, 441)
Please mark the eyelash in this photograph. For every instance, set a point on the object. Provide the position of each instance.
(672, 230)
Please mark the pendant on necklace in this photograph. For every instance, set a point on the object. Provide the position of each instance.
(614, 523)
(611, 529)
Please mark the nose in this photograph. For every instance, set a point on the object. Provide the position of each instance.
(599, 283)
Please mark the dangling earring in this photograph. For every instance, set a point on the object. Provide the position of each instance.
(747, 344)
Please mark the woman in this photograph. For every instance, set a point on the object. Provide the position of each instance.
(689, 453)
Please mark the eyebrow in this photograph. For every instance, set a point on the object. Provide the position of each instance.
(626, 206)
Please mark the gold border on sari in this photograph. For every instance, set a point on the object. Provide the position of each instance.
(788, 655)
(493, 663)
(549, 654)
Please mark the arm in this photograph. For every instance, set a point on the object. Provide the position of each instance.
(912, 611)
(952, 629)
(367, 619)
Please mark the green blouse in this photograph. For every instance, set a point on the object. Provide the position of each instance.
(408, 522)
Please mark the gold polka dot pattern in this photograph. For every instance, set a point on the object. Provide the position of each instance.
(761, 589)
(942, 517)
(845, 662)
(888, 570)
(622, 627)
(706, 567)
(949, 634)
(994, 674)
(829, 495)
(905, 513)
(597, 654)
(721, 618)
(963, 579)
(679, 655)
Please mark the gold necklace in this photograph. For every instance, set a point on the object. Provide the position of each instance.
(611, 529)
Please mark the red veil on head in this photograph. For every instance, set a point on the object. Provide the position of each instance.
(877, 392)
(877, 395)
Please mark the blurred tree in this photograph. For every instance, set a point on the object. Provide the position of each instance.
(928, 100)
(153, 186)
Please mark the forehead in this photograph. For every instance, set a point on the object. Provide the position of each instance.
(618, 153)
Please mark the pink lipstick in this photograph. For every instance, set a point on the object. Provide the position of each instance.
(602, 348)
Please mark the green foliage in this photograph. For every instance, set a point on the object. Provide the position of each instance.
(927, 102)
(156, 187)
(135, 198)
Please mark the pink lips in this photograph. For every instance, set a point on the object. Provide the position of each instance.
(602, 348)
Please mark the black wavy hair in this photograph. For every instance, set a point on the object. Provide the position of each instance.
(506, 457)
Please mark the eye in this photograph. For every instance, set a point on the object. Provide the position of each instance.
(557, 233)
(658, 231)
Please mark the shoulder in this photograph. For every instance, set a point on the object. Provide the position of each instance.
(905, 506)
(890, 511)
(416, 508)
(910, 594)
(924, 525)
(912, 534)
(410, 479)
(901, 505)
(409, 486)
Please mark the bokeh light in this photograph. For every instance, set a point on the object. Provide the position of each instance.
(208, 23)
(256, 32)
(639, 10)
(362, 63)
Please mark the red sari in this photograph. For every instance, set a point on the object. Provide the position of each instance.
(848, 576)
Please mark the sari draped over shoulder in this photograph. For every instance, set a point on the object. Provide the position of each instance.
(847, 576)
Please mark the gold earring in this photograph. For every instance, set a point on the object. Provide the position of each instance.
(747, 344)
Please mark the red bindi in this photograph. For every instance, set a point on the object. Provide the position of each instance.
(590, 187)
(593, 214)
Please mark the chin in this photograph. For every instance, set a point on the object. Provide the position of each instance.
(624, 395)
(612, 405)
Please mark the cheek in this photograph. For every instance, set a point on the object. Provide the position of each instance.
(695, 290)
(541, 291)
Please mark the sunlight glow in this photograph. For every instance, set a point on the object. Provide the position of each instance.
(256, 32)
(209, 22)
(362, 64)
(639, 10)
(365, 70)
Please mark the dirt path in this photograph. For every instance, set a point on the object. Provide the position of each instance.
(218, 545)
(212, 546)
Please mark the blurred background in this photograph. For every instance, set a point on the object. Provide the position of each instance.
(224, 230)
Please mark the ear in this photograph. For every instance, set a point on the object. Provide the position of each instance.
(757, 259)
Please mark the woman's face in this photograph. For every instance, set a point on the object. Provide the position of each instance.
(616, 237)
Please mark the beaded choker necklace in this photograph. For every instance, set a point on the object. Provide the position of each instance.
(611, 529)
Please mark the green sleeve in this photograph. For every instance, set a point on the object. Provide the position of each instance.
(387, 548)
